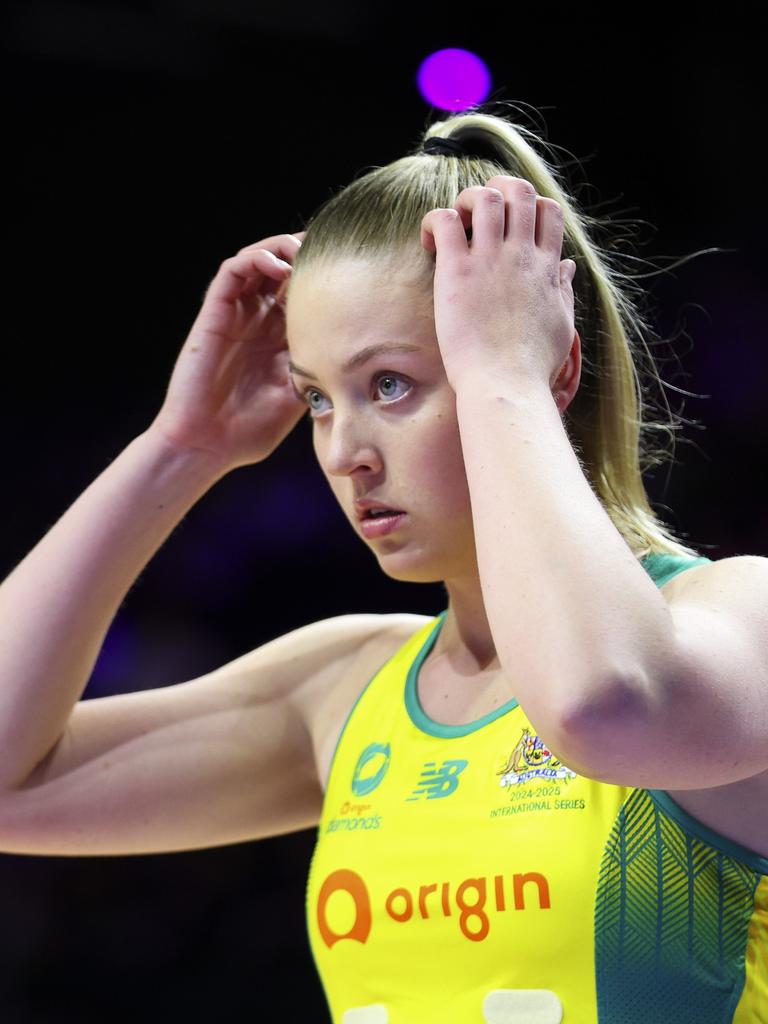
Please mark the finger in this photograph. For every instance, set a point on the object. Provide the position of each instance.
(245, 271)
(482, 210)
(549, 224)
(284, 246)
(520, 202)
(443, 227)
(281, 293)
(270, 281)
(567, 270)
(289, 245)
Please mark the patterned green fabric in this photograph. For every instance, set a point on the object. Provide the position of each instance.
(671, 920)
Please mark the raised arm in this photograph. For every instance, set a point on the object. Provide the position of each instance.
(229, 403)
(58, 603)
(222, 759)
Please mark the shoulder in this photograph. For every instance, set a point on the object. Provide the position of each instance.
(394, 630)
(709, 705)
(400, 626)
(347, 650)
(733, 583)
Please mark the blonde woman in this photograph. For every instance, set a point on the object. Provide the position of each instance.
(546, 803)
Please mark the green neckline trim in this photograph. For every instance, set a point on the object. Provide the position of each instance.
(661, 568)
(419, 717)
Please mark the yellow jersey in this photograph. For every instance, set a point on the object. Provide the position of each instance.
(462, 874)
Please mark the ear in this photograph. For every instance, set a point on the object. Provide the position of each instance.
(568, 377)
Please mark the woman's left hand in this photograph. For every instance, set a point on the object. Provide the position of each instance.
(503, 301)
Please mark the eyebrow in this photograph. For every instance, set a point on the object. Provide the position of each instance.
(363, 356)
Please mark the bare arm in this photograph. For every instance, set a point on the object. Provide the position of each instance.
(229, 403)
(222, 759)
(58, 603)
(214, 760)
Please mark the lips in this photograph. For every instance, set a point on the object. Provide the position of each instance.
(363, 507)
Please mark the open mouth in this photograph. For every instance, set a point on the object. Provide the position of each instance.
(382, 522)
(382, 513)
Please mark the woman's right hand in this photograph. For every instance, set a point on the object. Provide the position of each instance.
(230, 392)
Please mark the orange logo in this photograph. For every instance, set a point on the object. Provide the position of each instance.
(403, 904)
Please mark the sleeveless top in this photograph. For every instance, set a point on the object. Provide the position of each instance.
(462, 874)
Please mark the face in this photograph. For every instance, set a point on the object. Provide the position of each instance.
(385, 429)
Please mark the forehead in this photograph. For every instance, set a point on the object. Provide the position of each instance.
(356, 297)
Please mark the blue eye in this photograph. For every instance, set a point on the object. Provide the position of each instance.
(308, 392)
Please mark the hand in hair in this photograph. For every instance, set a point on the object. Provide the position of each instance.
(504, 304)
(230, 392)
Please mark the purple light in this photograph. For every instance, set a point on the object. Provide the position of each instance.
(118, 660)
(453, 79)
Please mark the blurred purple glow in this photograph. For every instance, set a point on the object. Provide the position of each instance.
(250, 532)
(118, 659)
(732, 361)
(453, 79)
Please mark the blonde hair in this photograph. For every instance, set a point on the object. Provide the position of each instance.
(378, 216)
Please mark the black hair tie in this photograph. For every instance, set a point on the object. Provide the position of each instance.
(443, 147)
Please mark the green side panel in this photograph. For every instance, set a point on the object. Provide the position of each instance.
(672, 916)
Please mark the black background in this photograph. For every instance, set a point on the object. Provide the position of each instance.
(148, 141)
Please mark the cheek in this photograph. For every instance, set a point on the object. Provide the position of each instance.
(442, 465)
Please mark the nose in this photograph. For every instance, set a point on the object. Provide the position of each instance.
(350, 446)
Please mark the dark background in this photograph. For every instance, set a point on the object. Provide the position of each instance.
(148, 141)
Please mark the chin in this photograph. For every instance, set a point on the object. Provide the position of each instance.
(413, 573)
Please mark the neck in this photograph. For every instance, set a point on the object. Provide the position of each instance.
(465, 642)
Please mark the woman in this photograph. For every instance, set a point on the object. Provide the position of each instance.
(544, 804)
